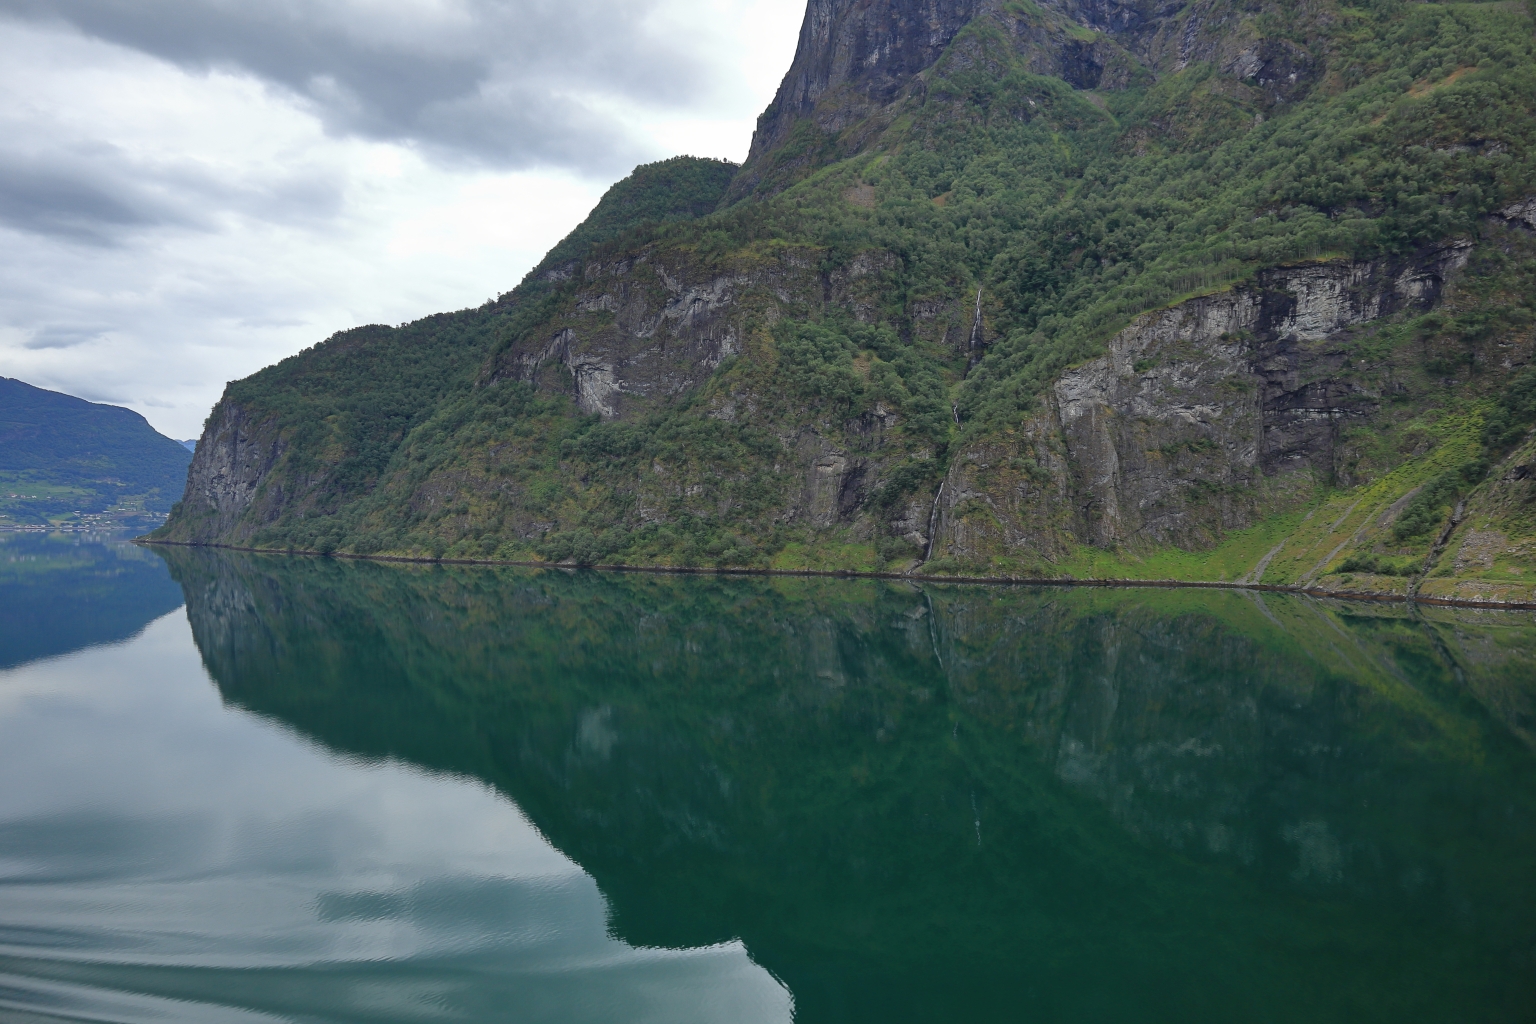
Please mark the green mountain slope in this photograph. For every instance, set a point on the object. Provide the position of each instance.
(66, 459)
(1093, 288)
(306, 439)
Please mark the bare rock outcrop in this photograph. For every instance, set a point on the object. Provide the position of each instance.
(648, 328)
(858, 60)
(1197, 420)
(229, 474)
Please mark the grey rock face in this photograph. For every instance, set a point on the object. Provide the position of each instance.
(1279, 67)
(1193, 421)
(231, 463)
(1197, 420)
(857, 59)
(645, 330)
(872, 50)
(1521, 214)
(641, 331)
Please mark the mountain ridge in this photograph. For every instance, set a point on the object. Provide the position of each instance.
(63, 458)
(865, 357)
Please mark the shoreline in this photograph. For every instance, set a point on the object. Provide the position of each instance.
(1012, 581)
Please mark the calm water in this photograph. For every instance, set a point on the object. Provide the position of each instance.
(236, 788)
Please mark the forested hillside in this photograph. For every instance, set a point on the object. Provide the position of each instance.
(63, 458)
(1227, 289)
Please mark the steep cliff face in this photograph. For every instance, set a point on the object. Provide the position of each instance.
(646, 328)
(1203, 290)
(855, 58)
(1198, 421)
(862, 63)
(235, 457)
(314, 435)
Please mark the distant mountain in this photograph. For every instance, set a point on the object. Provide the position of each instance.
(66, 460)
(190, 444)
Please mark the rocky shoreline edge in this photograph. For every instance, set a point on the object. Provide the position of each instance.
(1013, 581)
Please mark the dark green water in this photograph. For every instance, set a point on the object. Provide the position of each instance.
(355, 792)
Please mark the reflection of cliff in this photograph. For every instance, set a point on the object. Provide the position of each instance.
(956, 803)
(64, 592)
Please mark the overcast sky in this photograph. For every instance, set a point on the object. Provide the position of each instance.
(193, 189)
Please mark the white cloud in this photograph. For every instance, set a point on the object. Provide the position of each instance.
(172, 222)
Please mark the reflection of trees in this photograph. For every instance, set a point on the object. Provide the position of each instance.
(923, 803)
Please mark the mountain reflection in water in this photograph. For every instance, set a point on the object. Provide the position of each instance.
(903, 802)
(959, 802)
(60, 592)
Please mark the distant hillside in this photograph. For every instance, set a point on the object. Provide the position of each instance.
(63, 459)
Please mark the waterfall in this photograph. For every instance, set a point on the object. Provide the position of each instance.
(933, 515)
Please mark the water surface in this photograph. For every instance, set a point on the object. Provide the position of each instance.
(329, 791)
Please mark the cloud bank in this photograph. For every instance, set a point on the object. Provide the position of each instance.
(504, 83)
(192, 189)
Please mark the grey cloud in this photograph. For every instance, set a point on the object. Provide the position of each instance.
(272, 321)
(97, 194)
(493, 82)
(77, 197)
(66, 335)
(139, 264)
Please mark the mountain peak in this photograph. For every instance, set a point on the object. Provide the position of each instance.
(860, 54)
(860, 63)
